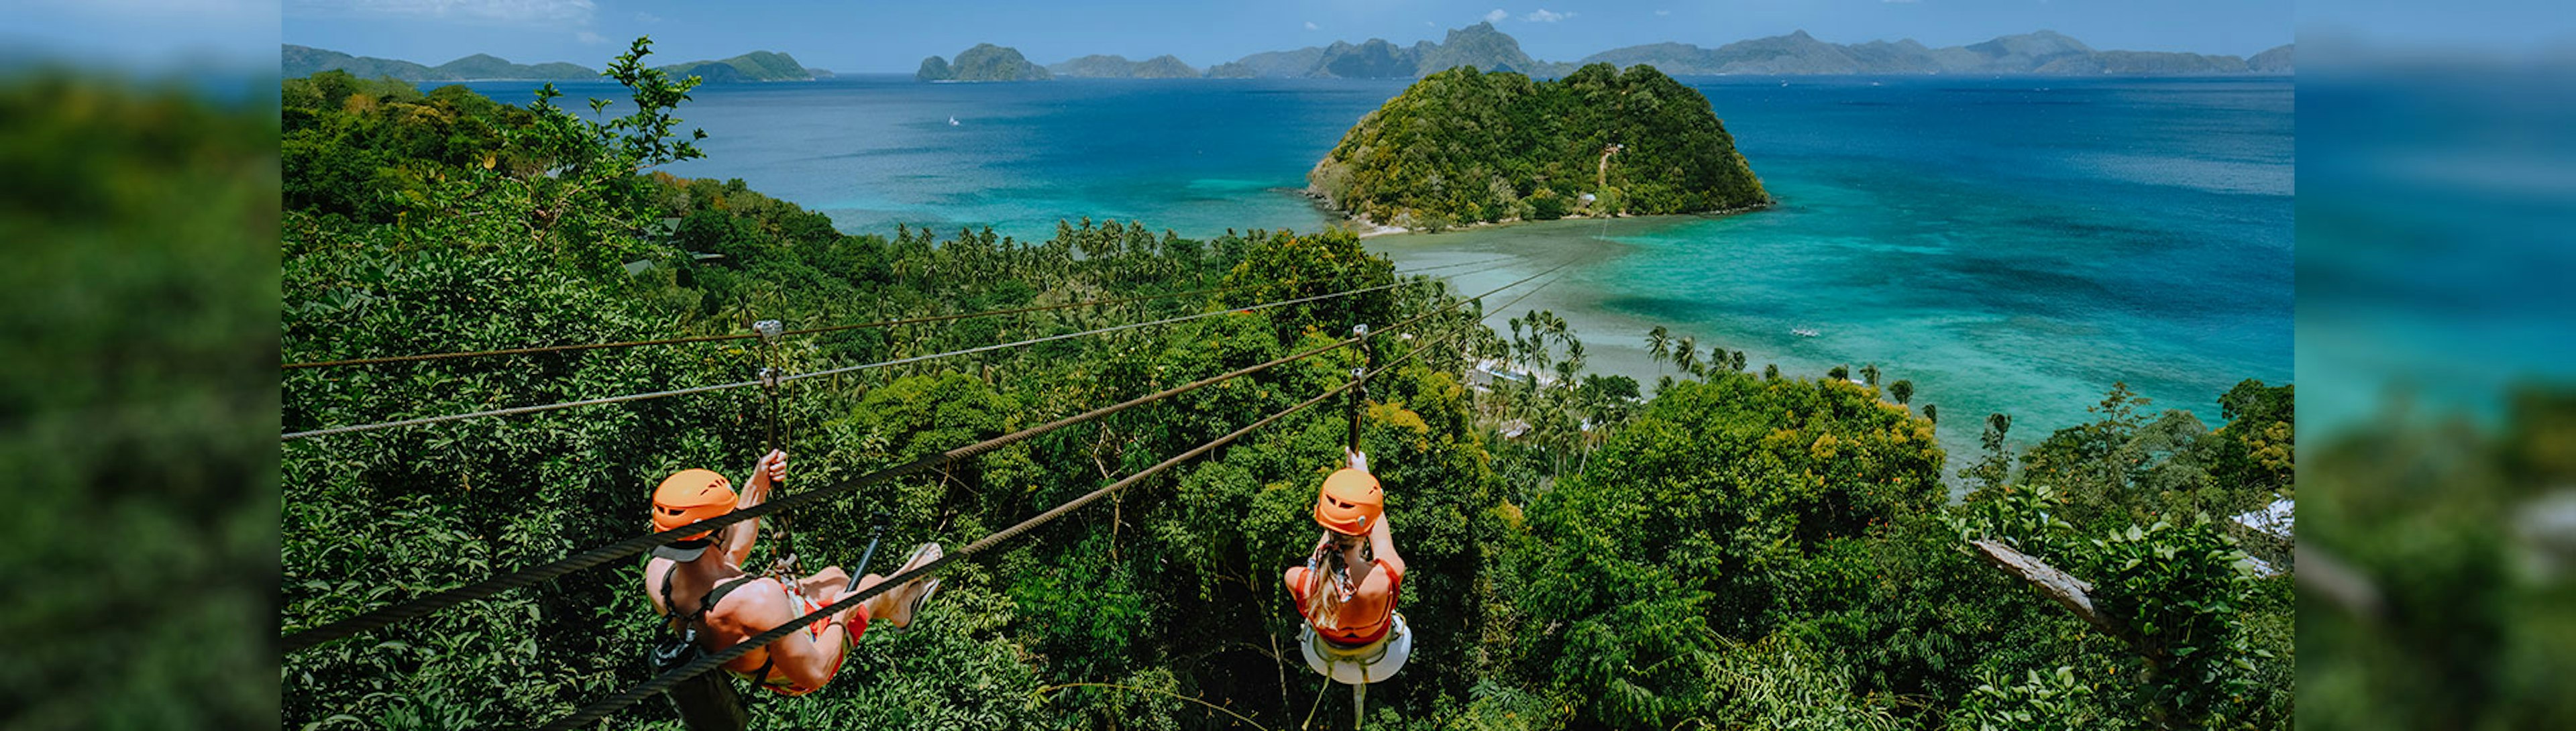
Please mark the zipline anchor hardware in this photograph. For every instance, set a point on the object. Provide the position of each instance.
(769, 331)
(1359, 393)
(783, 567)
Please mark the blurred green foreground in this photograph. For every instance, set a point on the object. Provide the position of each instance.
(137, 396)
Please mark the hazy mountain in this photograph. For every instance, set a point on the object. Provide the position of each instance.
(487, 66)
(2275, 61)
(1118, 67)
(297, 60)
(2044, 52)
(305, 61)
(984, 62)
(1269, 65)
(1478, 45)
(753, 66)
(1483, 47)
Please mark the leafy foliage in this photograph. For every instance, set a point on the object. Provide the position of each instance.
(136, 400)
(1738, 551)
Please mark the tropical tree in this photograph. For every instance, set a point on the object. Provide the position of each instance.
(1686, 355)
(1659, 345)
(1902, 390)
(1869, 374)
(1839, 373)
(1997, 462)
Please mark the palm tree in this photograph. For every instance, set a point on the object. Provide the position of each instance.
(1932, 412)
(1902, 390)
(1869, 373)
(1659, 345)
(1839, 373)
(1686, 354)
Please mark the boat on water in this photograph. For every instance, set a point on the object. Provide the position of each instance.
(1804, 332)
(952, 121)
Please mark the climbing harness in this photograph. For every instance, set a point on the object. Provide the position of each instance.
(1362, 664)
(708, 701)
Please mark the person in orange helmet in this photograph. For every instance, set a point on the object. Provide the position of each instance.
(1347, 591)
(699, 581)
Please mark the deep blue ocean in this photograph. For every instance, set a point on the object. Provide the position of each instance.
(2009, 245)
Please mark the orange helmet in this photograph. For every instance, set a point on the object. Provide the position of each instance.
(1349, 503)
(689, 496)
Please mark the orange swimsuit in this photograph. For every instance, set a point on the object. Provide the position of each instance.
(1366, 613)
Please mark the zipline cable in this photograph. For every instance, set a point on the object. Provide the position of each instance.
(515, 411)
(594, 712)
(747, 336)
(390, 615)
(805, 331)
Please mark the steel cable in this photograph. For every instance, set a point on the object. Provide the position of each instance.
(405, 611)
(514, 411)
(710, 661)
(531, 350)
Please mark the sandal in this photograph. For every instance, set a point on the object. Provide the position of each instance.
(928, 586)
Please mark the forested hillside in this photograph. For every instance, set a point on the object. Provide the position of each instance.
(1737, 550)
(1462, 147)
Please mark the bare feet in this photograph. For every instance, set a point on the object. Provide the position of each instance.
(896, 607)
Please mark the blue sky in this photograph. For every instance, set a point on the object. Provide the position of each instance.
(881, 36)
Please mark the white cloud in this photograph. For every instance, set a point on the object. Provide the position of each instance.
(1497, 16)
(589, 38)
(644, 17)
(1543, 16)
(1310, 25)
(504, 11)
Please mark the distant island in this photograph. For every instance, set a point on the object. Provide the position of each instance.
(1462, 147)
(1478, 45)
(2045, 53)
(298, 61)
(753, 66)
(984, 62)
(1118, 67)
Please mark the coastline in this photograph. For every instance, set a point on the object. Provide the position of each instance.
(1366, 228)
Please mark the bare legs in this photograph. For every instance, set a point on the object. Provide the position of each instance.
(894, 606)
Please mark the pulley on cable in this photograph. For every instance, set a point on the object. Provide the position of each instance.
(782, 564)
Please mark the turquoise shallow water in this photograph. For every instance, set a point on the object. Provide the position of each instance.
(2011, 245)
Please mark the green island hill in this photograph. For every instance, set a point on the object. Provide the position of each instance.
(1463, 147)
(984, 62)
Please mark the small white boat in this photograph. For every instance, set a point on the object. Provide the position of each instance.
(952, 121)
(1804, 332)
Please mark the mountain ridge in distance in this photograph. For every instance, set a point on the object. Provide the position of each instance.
(2040, 53)
(295, 60)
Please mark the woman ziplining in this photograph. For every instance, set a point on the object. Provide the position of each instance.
(699, 585)
(1347, 590)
